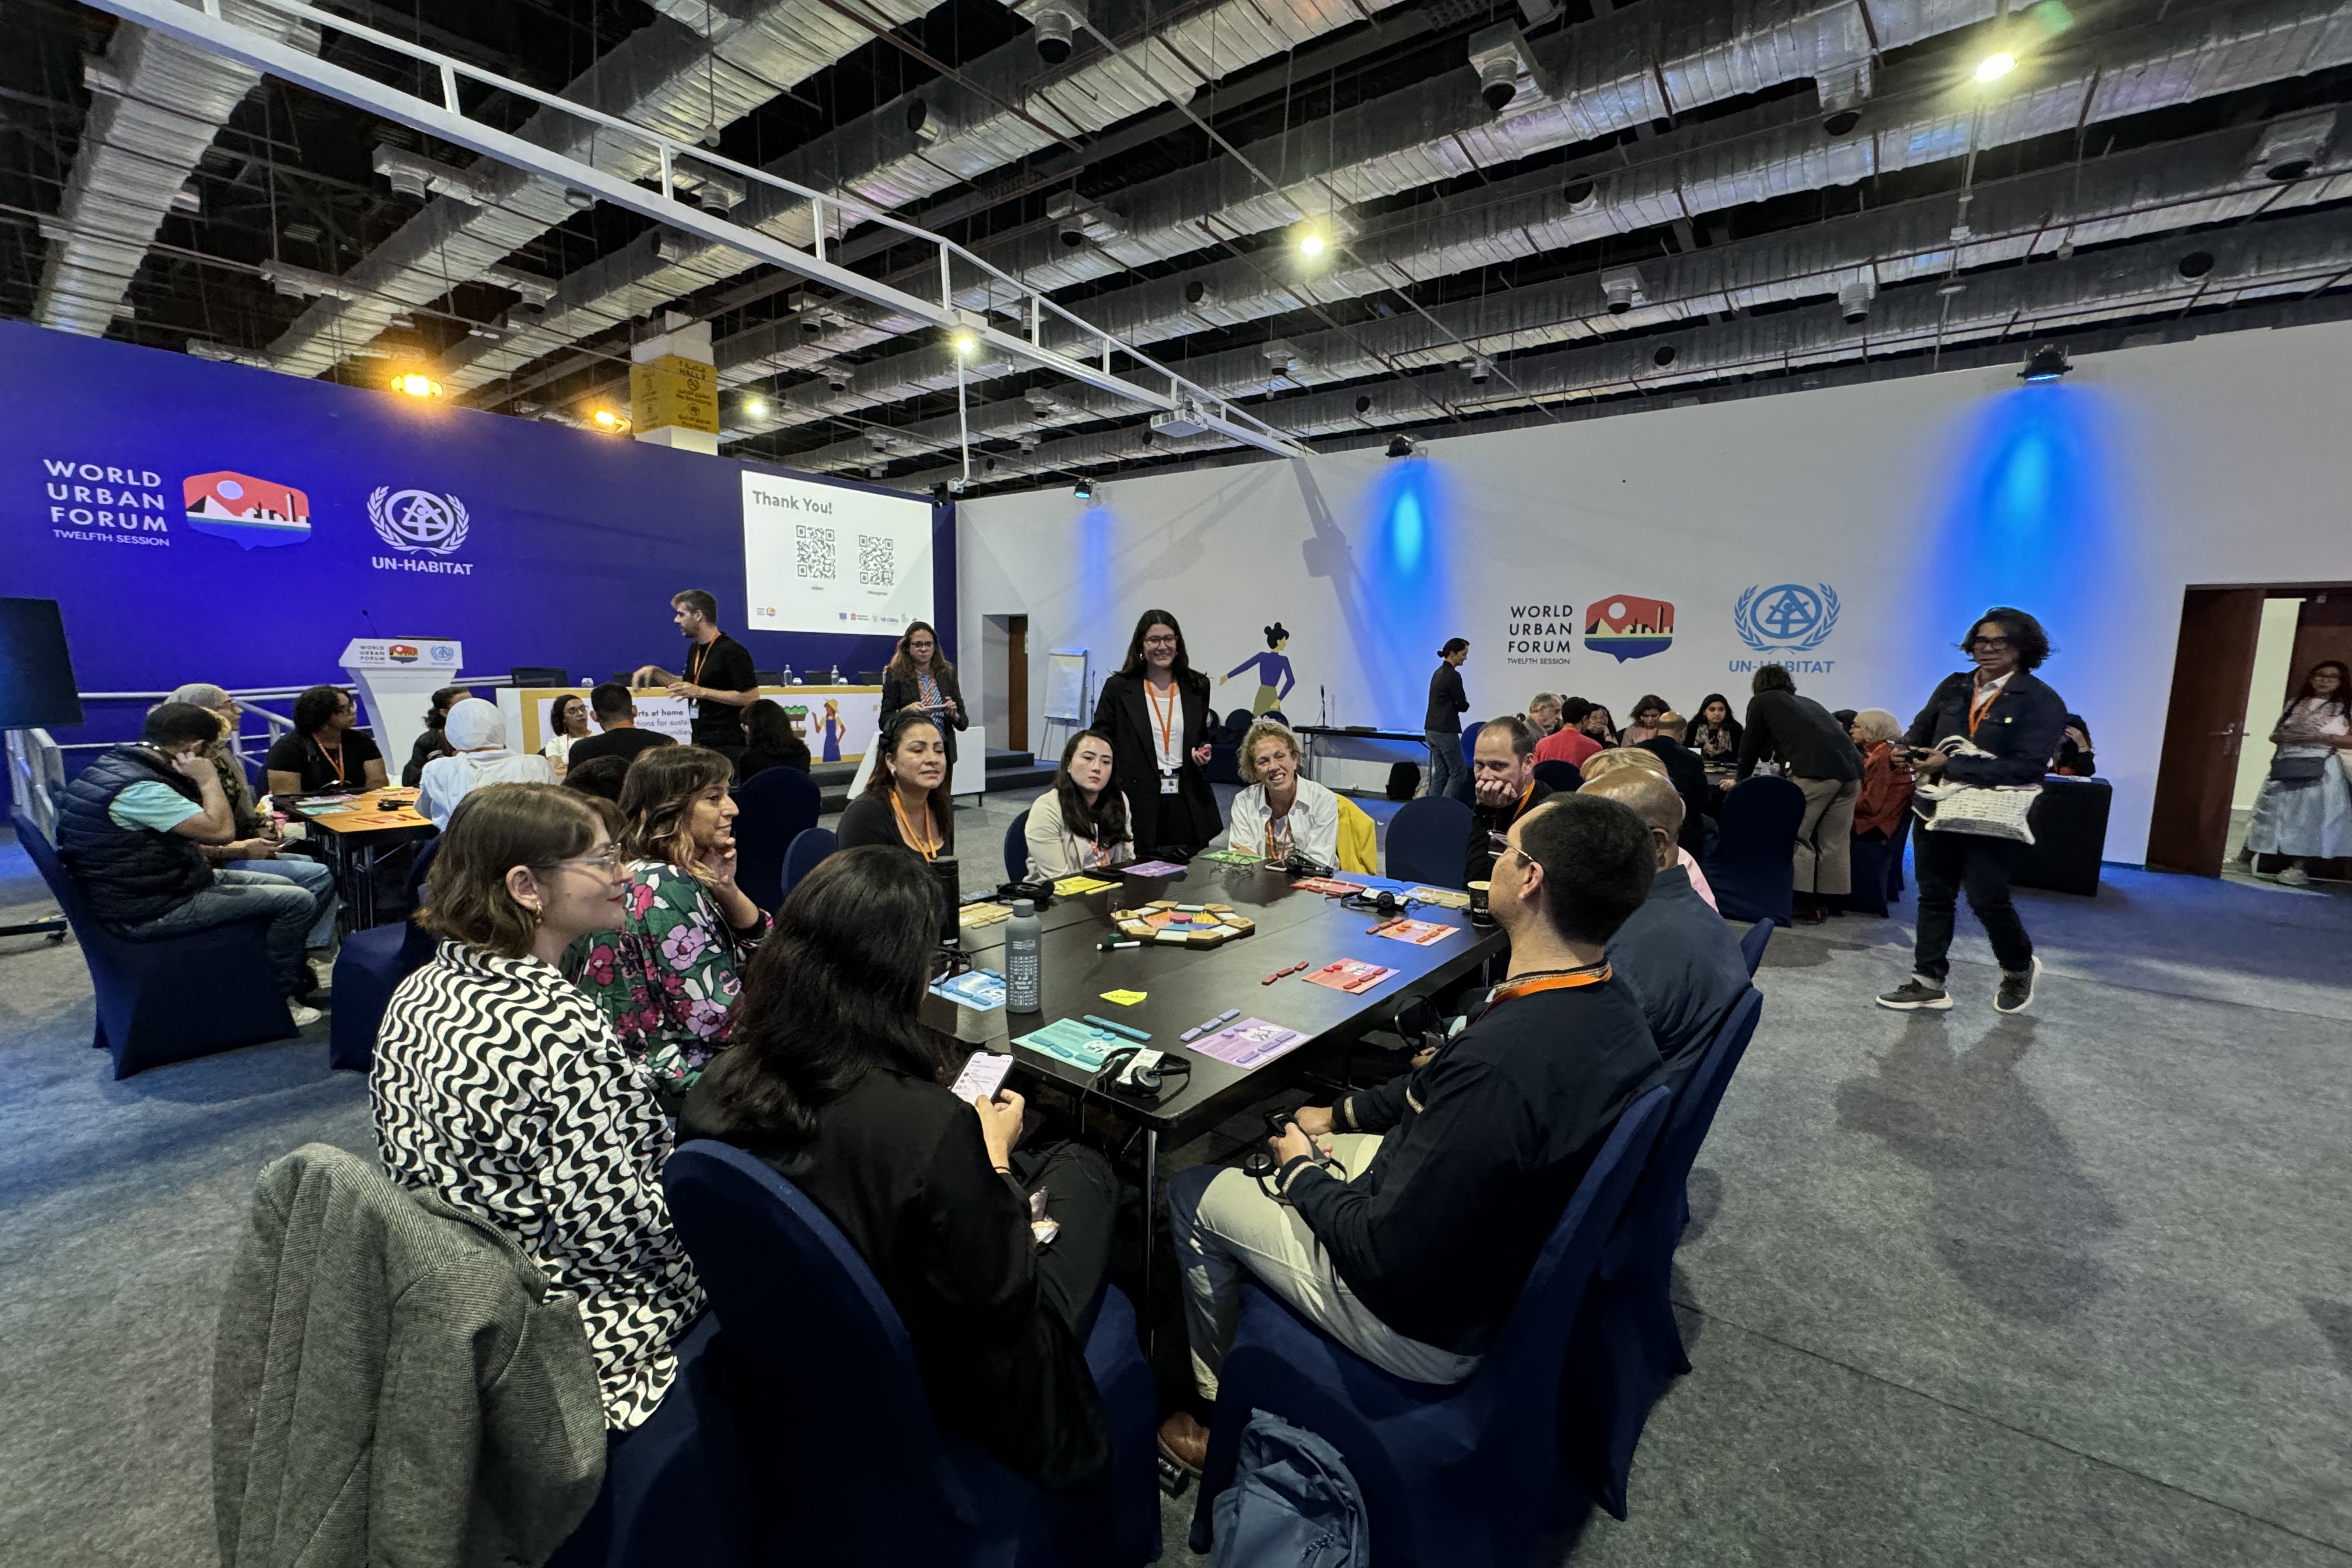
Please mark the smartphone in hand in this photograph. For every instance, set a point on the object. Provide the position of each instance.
(982, 1076)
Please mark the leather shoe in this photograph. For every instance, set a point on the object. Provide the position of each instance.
(1185, 1442)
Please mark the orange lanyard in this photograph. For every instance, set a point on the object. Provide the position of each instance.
(1167, 721)
(1979, 707)
(335, 756)
(1511, 990)
(927, 847)
(695, 661)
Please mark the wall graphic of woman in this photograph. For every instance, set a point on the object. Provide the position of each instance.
(834, 731)
(1272, 670)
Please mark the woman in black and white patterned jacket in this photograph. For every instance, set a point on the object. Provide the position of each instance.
(502, 1089)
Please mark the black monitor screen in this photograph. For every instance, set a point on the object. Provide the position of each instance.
(37, 677)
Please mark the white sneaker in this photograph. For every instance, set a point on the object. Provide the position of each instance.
(303, 1017)
(2294, 876)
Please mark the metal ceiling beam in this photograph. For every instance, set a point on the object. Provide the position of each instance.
(208, 29)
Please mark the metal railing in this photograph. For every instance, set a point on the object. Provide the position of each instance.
(249, 698)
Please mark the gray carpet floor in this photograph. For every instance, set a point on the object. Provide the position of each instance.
(2071, 1287)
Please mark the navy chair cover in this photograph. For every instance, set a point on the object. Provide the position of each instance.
(676, 1493)
(812, 845)
(1565, 777)
(1626, 1347)
(1460, 1476)
(368, 970)
(1867, 890)
(1017, 849)
(1752, 863)
(774, 807)
(177, 997)
(1427, 840)
(856, 1471)
(1894, 849)
(1752, 945)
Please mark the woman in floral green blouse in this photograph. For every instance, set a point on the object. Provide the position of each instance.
(670, 976)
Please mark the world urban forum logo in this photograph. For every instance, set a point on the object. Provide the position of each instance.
(1624, 626)
(256, 513)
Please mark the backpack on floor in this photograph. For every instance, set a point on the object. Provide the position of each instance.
(1292, 1504)
(1404, 780)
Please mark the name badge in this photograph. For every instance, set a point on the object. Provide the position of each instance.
(1167, 783)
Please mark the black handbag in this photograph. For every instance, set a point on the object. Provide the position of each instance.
(2297, 769)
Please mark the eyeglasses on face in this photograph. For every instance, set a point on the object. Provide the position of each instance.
(1165, 639)
(606, 859)
(1990, 645)
(1501, 845)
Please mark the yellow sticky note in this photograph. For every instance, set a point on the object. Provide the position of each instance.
(1078, 887)
(1125, 998)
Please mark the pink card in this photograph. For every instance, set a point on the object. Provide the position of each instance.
(1420, 934)
(1353, 975)
(1250, 1043)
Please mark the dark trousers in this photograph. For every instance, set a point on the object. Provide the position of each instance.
(1082, 1197)
(1947, 863)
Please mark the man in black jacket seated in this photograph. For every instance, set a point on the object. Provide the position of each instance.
(1411, 1248)
(1677, 954)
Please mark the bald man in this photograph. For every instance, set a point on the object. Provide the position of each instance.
(1676, 955)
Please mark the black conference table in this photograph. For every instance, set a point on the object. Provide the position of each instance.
(1186, 986)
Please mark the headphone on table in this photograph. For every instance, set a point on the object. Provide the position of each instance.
(1383, 903)
(1155, 1080)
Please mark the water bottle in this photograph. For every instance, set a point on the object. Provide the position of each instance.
(951, 877)
(1023, 983)
(788, 679)
(832, 677)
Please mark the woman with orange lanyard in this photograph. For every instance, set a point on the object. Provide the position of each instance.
(1156, 713)
(906, 800)
(2012, 724)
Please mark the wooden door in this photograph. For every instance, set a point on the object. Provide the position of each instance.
(1017, 683)
(2204, 727)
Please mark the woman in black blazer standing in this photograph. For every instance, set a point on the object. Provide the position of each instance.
(1156, 713)
(919, 676)
(2012, 724)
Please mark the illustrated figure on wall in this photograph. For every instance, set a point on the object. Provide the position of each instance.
(834, 731)
(1273, 671)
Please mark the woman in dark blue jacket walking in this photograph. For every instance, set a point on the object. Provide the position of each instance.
(2018, 721)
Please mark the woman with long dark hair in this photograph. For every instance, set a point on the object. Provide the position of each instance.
(919, 679)
(503, 1090)
(770, 741)
(906, 800)
(834, 1080)
(670, 976)
(1997, 724)
(1156, 713)
(2304, 812)
(567, 720)
(1715, 734)
(1081, 823)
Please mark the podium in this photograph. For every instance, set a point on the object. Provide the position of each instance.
(397, 678)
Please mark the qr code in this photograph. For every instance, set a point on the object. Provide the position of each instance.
(814, 552)
(877, 561)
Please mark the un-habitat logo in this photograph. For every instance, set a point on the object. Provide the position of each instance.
(1787, 618)
(424, 527)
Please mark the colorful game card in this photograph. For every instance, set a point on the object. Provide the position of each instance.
(1443, 897)
(1249, 1043)
(1230, 857)
(1329, 885)
(1151, 868)
(977, 989)
(1353, 975)
(1420, 934)
(1066, 1039)
(1079, 886)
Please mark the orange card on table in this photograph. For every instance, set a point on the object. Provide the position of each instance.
(1420, 934)
(1353, 975)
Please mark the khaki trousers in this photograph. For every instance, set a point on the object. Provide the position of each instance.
(1825, 836)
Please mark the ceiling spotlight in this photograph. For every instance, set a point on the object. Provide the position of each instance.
(2047, 363)
(1992, 67)
(755, 409)
(966, 344)
(416, 385)
(1310, 245)
(578, 200)
(1084, 489)
(612, 424)
(1399, 446)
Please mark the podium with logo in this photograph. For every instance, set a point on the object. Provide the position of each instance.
(397, 678)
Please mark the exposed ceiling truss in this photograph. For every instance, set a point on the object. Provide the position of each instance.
(1003, 240)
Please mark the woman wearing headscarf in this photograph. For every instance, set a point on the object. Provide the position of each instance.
(476, 733)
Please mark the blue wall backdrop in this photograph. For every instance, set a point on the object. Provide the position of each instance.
(572, 543)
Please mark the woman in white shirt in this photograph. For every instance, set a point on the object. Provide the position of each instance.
(476, 733)
(2304, 812)
(1082, 822)
(567, 720)
(1281, 811)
